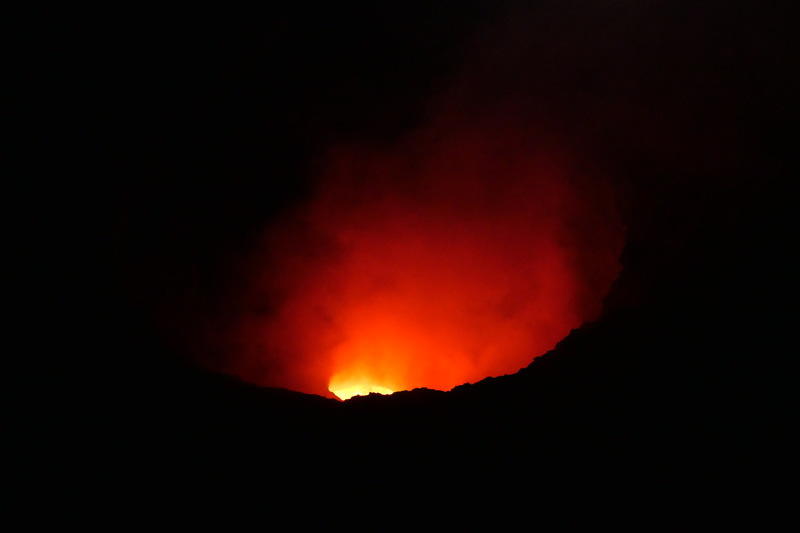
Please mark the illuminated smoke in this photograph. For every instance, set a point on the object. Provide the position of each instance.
(459, 252)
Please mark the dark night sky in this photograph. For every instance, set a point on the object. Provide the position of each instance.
(175, 138)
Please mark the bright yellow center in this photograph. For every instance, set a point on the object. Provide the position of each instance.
(346, 392)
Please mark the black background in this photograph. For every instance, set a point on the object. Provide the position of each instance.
(172, 139)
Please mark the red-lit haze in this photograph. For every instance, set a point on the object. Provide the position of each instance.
(444, 258)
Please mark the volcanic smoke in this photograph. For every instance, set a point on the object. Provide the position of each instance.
(454, 254)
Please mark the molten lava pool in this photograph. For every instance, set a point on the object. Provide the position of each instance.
(445, 258)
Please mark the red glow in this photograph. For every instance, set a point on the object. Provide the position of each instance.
(442, 259)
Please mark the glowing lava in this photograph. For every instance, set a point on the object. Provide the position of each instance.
(344, 390)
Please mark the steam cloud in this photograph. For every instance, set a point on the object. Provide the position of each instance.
(457, 253)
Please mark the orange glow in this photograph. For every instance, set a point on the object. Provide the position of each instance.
(448, 257)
